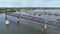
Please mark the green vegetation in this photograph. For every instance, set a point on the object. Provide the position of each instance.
(14, 9)
(2, 11)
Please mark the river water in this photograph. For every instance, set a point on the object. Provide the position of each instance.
(25, 27)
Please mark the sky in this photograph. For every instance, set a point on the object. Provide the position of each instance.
(29, 3)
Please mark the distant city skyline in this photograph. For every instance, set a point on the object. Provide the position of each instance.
(29, 3)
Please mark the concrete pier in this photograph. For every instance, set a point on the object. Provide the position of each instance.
(45, 27)
(18, 19)
(6, 19)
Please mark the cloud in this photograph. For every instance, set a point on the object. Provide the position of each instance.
(29, 3)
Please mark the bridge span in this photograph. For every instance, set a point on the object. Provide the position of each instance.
(32, 18)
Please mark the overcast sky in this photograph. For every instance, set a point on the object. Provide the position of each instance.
(29, 3)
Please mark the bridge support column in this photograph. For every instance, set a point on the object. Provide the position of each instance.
(44, 27)
(18, 19)
(6, 20)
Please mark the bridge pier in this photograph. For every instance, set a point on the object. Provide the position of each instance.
(6, 20)
(18, 19)
(45, 27)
